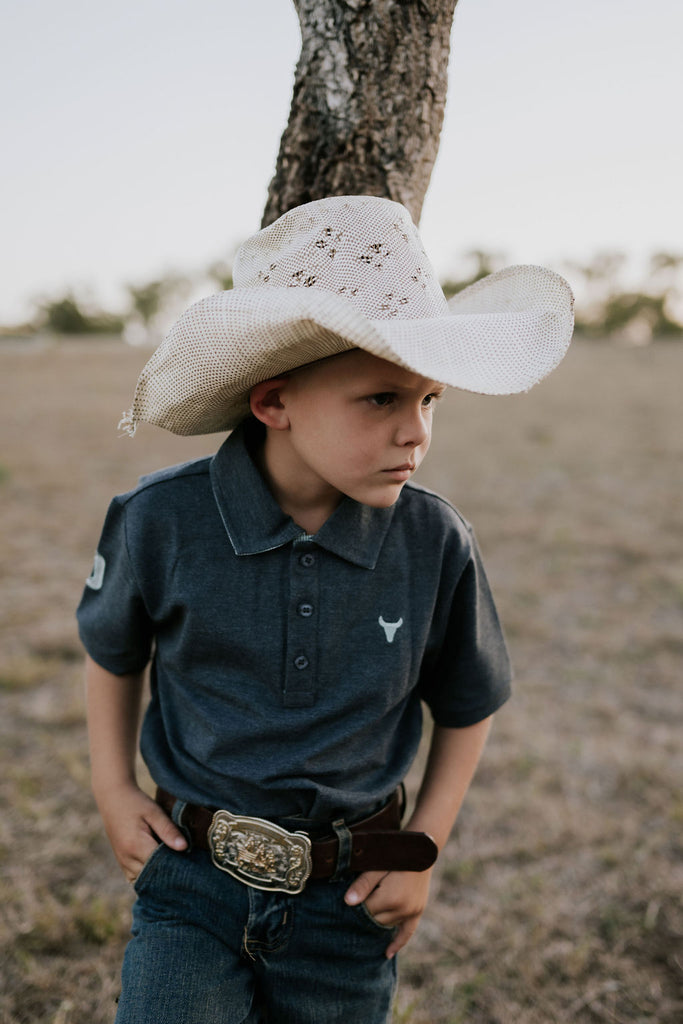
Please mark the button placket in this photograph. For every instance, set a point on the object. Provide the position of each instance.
(302, 628)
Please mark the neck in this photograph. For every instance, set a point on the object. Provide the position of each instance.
(309, 501)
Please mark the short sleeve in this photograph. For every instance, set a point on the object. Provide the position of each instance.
(113, 622)
(467, 673)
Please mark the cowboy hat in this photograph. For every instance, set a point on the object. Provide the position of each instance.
(341, 273)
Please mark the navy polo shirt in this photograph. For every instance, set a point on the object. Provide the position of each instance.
(288, 670)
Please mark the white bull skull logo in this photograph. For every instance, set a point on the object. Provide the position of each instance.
(390, 628)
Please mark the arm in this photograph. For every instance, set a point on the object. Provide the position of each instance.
(134, 822)
(399, 898)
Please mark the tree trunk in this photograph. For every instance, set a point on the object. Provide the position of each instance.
(368, 102)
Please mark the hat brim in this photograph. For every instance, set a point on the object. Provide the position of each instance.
(500, 336)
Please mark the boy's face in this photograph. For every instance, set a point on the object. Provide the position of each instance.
(356, 425)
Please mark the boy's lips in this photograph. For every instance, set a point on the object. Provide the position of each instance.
(405, 469)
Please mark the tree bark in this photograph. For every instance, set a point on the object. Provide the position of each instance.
(368, 102)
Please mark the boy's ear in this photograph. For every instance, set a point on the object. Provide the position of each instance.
(266, 403)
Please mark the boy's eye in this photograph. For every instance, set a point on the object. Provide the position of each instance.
(385, 398)
(430, 400)
(382, 399)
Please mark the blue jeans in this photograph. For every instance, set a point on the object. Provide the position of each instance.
(207, 949)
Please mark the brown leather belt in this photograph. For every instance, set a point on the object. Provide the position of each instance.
(266, 856)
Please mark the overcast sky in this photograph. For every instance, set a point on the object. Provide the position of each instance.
(139, 136)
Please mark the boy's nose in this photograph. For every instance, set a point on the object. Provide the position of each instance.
(414, 428)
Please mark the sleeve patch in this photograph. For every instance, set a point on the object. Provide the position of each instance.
(96, 577)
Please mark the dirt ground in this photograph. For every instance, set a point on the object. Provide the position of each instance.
(558, 898)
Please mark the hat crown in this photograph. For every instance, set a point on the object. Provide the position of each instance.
(362, 248)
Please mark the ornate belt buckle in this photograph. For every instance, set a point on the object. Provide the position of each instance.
(259, 853)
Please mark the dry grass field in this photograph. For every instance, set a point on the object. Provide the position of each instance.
(558, 898)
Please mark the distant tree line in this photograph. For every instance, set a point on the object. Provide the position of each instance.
(638, 314)
(147, 308)
(606, 307)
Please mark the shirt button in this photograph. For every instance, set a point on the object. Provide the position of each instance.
(301, 662)
(307, 560)
(306, 610)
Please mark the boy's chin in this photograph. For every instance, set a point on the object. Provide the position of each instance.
(385, 500)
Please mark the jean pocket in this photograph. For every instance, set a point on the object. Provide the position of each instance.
(149, 867)
(364, 913)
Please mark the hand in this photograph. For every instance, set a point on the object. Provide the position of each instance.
(393, 898)
(135, 824)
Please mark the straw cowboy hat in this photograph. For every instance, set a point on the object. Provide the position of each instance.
(341, 273)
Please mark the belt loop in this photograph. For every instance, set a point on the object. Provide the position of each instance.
(345, 847)
(177, 819)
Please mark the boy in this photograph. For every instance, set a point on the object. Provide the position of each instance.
(299, 599)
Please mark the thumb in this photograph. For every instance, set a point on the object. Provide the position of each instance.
(165, 829)
(359, 891)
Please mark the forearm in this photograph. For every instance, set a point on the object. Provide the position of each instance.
(113, 709)
(451, 764)
(134, 822)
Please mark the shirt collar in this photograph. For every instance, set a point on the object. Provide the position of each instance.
(255, 522)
